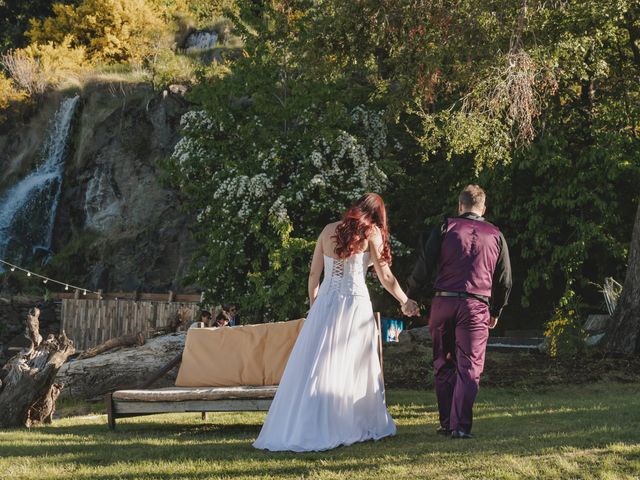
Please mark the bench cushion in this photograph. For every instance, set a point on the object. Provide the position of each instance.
(249, 355)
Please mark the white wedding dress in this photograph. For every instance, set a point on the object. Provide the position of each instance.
(331, 391)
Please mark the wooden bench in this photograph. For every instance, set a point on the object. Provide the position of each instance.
(148, 401)
(134, 403)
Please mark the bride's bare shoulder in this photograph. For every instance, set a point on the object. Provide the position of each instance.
(327, 237)
(330, 229)
(376, 234)
(375, 237)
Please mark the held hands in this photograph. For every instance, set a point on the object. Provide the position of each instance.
(410, 308)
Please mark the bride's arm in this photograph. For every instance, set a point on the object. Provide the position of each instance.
(317, 265)
(386, 277)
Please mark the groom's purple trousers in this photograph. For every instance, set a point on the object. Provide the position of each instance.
(459, 329)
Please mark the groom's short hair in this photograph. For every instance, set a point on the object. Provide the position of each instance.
(472, 196)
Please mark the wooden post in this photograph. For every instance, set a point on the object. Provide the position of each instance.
(171, 296)
(379, 324)
(111, 418)
(197, 324)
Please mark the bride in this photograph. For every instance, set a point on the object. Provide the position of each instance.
(331, 391)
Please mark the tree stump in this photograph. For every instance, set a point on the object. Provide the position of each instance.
(27, 390)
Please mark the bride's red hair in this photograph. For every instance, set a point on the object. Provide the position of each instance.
(357, 224)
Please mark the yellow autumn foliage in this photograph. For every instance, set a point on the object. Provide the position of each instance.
(111, 31)
(8, 94)
(40, 66)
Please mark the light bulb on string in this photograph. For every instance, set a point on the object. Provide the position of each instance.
(45, 281)
(28, 274)
(13, 269)
(66, 287)
(84, 292)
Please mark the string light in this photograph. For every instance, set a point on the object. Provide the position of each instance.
(46, 280)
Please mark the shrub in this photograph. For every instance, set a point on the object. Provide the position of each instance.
(8, 94)
(168, 67)
(263, 201)
(564, 334)
(205, 10)
(110, 30)
(24, 71)
(40, 66)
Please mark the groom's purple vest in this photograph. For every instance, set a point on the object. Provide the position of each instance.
(468, 257)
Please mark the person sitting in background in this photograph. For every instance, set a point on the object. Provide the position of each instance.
(232, 311)
(222, 320)
(205, 317)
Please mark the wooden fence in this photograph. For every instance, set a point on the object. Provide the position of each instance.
(90, 322)
(154, 297)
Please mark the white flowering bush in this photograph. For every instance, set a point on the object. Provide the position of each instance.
(264, 179)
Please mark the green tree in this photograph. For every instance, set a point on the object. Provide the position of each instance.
(270, 158)
(537, 102)
(571, 194)
(15, 16)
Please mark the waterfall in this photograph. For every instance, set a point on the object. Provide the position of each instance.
(28, 209)
(201, 41)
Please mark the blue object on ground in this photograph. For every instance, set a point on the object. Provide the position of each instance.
(391, 329)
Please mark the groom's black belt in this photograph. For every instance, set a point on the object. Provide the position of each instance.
(482, 298)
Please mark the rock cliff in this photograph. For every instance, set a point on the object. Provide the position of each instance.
(116, 226)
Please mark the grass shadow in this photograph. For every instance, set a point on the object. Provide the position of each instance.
(553, 428)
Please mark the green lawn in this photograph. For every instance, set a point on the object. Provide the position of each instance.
(562, 432)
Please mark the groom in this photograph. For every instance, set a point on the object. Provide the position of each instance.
(472, 285)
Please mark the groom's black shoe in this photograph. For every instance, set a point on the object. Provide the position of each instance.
(460, 434)
(443, 431)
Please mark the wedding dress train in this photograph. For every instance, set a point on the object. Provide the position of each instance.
(331, 391)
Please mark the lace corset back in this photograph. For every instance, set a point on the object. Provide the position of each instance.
(346, 276)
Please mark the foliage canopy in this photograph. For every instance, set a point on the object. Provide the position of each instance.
(537, 102)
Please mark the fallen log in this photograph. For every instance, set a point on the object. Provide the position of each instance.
(125, 368)
(123, 341)
(27, 389)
